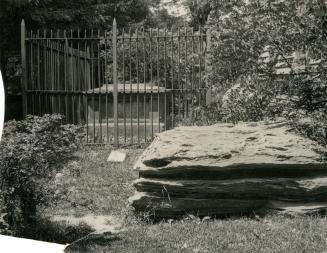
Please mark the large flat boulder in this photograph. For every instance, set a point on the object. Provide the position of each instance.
(235, 168)
(227, 147)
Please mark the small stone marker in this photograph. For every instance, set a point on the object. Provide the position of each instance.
(117, 156)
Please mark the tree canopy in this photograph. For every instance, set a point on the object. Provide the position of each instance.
(79, 13)
(63, 14)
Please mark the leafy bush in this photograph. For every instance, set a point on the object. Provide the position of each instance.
(247, 100)
(31, 152)
(281, 40)
(313, 125)
(203, 115)
(250, 99)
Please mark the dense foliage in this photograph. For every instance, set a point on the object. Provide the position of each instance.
(75, 14)
(243, 31)
(31, 152)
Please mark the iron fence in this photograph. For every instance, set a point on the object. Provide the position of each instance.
(124, 86)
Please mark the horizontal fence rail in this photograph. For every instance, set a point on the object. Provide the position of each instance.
(123, 85)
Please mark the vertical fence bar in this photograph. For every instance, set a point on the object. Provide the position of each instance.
(165, 78)
(106, 81)
(35, 85)
(103, 82)
(172, 80)
(58, 70)
(63, 72)
(35, 56)
(130, 78)
(192, 70)
(78, 77)
(99, 85)
(24, 67)
(92, 83)
(47, 72)
(52, 71)
(179, 73)
(115, 82)
(124, 88)
(138, 87)
(48, 83)
(200, 65)
(66, 71)
(35, 72)
(86, 84)
(38, 74)
(158, 78)
(45, 63)
(49, 94)
(144, 83)
(185, 91)
(151, 77)
(72, 77)
(31, 75)
(208, 68)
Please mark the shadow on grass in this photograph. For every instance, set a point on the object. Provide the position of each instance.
(57, 232)
(87, 243)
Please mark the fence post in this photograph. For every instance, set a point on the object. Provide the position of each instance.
(24, 67)
(115, 81)
(208, 68)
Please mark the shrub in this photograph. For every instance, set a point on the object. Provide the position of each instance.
(203, 115)
(312, 125)
(31, 152)
(247, 100)
(281, 41)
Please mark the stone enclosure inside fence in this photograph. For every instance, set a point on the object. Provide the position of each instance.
(141, 109)
(228, 169)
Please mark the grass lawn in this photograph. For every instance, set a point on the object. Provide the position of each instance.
(89, 185)
(272, 234)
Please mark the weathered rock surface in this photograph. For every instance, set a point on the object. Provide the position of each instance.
(262, 189)
(165, 207)
(227, 169)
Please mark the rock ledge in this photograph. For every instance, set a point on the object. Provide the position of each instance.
(227, 169)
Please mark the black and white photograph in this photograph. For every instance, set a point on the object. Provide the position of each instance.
(154, 126)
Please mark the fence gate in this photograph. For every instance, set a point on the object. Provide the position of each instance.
(124, 86)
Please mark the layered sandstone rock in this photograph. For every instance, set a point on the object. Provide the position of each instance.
(231, 169)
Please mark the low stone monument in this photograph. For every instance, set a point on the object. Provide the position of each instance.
(227, 169)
